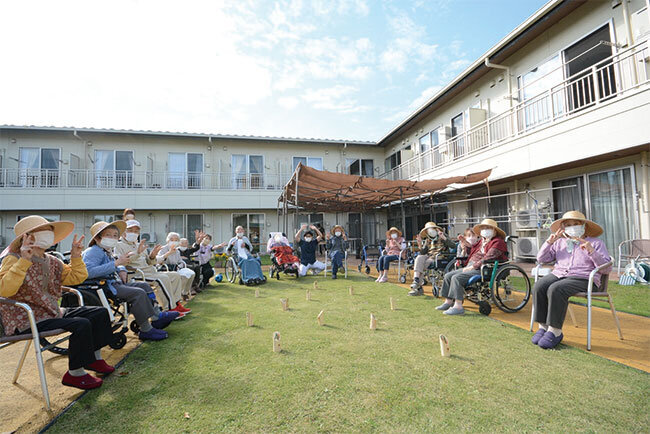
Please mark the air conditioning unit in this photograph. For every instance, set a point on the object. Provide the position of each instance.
(527, 247)
(149, 238)
(527, 219)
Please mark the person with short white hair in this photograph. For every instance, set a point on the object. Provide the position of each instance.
(171, 256)
(308, 245)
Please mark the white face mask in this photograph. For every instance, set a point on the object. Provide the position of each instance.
(308, 239)
(174, 243)
(432, 233)
(240, 234)
(131, 237)
(129, 217)
(471, 240)
(487, 233)
(576, 231)
(393, 236)
(182, 248)
(337, 233)
(108, 243)
(43, 239)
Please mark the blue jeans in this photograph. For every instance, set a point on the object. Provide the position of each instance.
(384, 262)
(337, 260)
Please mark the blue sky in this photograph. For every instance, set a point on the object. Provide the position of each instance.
(341, 69)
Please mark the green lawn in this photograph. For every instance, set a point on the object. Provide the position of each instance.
(343, 377)
(632, 299)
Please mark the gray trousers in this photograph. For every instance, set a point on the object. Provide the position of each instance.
(135, 293)
(551, 297)
(454, 283)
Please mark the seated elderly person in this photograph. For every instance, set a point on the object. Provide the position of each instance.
(337, 244)
(431, 242)
(100, 264)
(29, 275)
(394, 245)
(170, 255)
(204, 255)
(140, 259)
(492, 247)
(186, 252)
(308, 245)
(251, 267)
(576, 251)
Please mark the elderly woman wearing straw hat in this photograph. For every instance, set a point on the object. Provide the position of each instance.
(576, 251)
(492, 247)
(29, 275)
(337, 243)
(99, 261)
(394, 245)
(431, 241)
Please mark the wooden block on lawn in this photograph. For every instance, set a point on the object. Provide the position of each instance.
(320, 319)
(308, 295)
(249, 319)
(285, 303)
(392, 304)
(315, 285)
(444, 346)
(276, 342)
(351, 290)
(257, 293)
(373, 322)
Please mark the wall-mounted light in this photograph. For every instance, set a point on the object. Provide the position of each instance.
(207, 165)
(209, 148)
(225, 148)
(477, 93)
(327, 152)
(89, 143)
(13, 140)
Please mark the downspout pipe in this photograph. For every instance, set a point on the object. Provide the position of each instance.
(628, 25)
(509, 96)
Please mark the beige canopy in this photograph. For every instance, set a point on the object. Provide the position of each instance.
(320, 190)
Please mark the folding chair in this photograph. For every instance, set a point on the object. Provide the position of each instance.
(634, 249)
(35, 337)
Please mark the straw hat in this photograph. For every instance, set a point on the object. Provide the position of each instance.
(334, 229)
(33, 222)
(393, 229)
(98, 227)
(591, 229)
(429, 225)
(491, 224)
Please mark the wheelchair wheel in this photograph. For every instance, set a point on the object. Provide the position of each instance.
(367, 269)
(119, 340)
(511, 289)
(61, 351)
(402, 278)
(135, 328)
(484, 307)
(231, 270)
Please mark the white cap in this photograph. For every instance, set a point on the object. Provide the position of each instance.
(131, 223)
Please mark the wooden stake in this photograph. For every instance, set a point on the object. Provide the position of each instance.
(351, 291)
(285, 304)
(249, 319)
(315, 285)
(308, 295)
(276, 342)
(392, 304)
(373, 322)
(320, 319)
(257, 293)
(444, 346)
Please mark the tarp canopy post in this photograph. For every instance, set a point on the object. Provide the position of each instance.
(401, 203)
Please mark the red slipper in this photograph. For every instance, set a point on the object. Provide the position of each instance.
(85, 382)
(101, 367)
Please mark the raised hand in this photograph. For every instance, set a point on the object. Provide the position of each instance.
(554, 236)
(77, 246)
(26, 248)
(441, 234)
(142, 246)
(123, 259)
(155, 250)
(172, 249)
(586, 245)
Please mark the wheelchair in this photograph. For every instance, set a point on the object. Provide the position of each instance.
(370, 255)
(442, 264)
(233, 272)
(503, 284)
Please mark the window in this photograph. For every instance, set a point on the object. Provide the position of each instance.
(392, 161)
(109, 218)
(185, 225)
(569, 198)
(538, 108)
(314, 162)
(312, 219)
(425, 143)
(247, 171)
(113, 169)
(254, 225)
(458, 142)
(48, 217)
(185, 170)
(359, 167)
(39, 167)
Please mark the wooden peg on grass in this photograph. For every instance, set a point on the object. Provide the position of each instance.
(308, 295)
(315, 284)
(373, 322)
(444, 346)
(320, 319)
(249, 319)
(351, 290)
(285, 303)
(392, 304)
(276, 342)
(257, 293)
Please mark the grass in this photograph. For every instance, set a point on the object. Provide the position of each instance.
(343, 377)
(632, 299)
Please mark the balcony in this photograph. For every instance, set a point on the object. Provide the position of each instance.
(622, 74)
(116, 179)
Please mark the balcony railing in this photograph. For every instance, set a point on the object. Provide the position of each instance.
(125, 179)
(613, 77)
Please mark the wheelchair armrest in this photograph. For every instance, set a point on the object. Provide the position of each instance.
(30, 314)
(76, 292)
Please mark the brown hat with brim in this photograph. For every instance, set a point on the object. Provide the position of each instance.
(592, 229)
(334, 229)
(490, 224)
(34, 222)
(393, 229)
(429, 225)
(98, 227)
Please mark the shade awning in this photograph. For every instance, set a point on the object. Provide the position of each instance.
(320, 190)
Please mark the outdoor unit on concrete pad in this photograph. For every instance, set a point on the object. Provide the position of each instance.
(527, 219)
(527, 247)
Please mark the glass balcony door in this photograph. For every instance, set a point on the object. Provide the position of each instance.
(185, 170)
(39, 167)
(113, 169)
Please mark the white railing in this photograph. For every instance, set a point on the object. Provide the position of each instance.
(619, 74)
(124, 179)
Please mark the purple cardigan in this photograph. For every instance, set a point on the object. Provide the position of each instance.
(578, 263)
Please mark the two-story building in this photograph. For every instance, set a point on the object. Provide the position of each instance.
(558, 109)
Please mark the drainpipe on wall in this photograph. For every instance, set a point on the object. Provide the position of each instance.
(645, 187)
(628, 25)
(507, 69)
